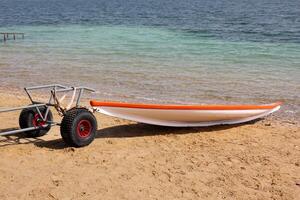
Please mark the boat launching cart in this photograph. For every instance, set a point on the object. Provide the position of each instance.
(78, 126)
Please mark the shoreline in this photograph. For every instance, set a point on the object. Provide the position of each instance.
(282, 115)
(256, 160)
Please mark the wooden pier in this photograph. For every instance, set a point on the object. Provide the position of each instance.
(13, 35)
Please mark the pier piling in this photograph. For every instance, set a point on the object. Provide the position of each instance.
(13, 34)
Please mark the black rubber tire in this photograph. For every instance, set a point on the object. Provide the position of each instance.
(26, 120)
(69, 128)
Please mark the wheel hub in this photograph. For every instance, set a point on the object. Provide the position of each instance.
(84, 128)
(37, 120)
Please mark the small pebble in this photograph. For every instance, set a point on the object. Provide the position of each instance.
(70, 149)
(109, 142)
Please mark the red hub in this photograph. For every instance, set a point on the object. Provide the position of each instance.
(84, 128)
(37, 120)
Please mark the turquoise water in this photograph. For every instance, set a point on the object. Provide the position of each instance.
(153, 64)
(193, 51)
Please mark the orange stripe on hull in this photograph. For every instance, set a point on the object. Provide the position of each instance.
(184, 107)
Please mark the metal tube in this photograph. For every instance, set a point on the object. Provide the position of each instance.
(46, 114)
(79, 96)
(65, 89)
(45, 86)
(39, 112)
(87, 89)
(72, 88)
(20, 108)
(28, 94)
(50, 99)
(26, 129)
(18, 131)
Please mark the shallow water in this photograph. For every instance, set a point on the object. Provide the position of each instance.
(204, 52)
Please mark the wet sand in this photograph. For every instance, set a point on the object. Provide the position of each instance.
(259, 160)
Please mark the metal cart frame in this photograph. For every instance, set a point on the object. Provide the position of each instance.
(52, 102)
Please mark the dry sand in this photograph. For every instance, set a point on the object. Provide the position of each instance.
(258, 160)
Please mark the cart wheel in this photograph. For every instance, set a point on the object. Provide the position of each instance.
(78, 127)
(29, 117)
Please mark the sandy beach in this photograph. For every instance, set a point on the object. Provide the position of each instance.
(257, 160)
(154, 52)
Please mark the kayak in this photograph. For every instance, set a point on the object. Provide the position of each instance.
(185, 115)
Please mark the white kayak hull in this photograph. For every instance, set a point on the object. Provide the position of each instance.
(186, 117)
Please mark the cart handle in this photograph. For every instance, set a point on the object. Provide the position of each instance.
(45, 86)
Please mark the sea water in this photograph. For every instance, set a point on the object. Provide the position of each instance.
(159, 51)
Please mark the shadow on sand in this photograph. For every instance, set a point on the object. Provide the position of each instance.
(14, 139)
(119, 131)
